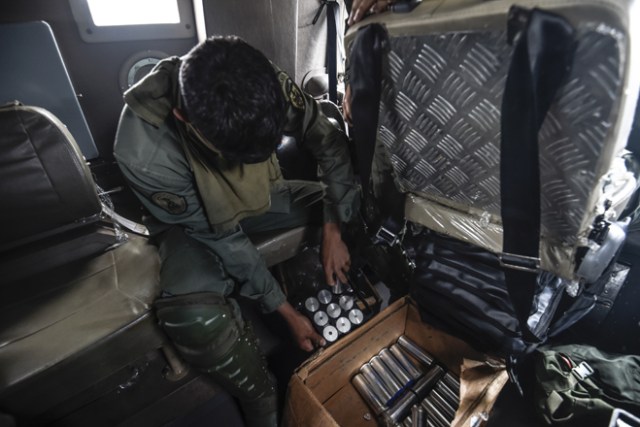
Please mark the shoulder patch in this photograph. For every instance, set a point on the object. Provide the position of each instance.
(291, 91)
(170, 202)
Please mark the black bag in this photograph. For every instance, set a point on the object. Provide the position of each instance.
(461, 289)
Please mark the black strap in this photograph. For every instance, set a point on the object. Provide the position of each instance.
(332, 61)
(365, 68)
(385, 221)
(541, 60)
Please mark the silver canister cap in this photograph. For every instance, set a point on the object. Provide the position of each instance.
(338, 288)
(320, 318)
(333, 310)
(324, 296)
(355, 316)
(343, 325)
(330, 333)
(346, 302)
(312, 304)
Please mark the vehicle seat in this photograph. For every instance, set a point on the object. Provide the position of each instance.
(72, 284)
(439, 122)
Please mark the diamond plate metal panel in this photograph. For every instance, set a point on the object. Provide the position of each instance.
(440, 121)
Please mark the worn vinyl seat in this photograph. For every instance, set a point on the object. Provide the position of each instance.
(72, 285)
(77, 291)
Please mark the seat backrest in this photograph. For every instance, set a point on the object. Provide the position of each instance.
(440, 117)
(51, 206)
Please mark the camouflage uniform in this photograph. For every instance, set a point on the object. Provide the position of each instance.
(203, 266)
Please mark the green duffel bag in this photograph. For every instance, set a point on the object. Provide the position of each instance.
(581, 385)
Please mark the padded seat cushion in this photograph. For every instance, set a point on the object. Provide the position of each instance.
(280, 245)
(50, 316)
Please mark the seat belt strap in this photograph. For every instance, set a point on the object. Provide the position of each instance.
(365, 68)
(542, 57)
(386, 223)
(332, 61)
(332, 49)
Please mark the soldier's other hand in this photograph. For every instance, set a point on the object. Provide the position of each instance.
(360, 8)
(301, 328)
(335, 255)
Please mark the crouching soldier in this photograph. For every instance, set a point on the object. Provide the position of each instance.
(196, 142)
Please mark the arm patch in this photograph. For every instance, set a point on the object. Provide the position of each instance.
(292, 92)
(170, 202)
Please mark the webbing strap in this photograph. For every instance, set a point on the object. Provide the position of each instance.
(542, 57)
(332, 49)
(365, 65)
(332, 61)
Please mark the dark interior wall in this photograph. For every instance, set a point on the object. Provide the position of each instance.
(270, 26)
(94, 68)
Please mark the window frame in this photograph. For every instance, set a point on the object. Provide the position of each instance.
(91, 33)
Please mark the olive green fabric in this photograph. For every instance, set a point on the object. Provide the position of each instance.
(189, 265)
(244, 187)
(161, 86)
(581, 385)
(208, 331)
(150, 152)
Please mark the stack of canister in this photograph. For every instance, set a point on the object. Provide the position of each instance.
(404, 393)
(333, 311)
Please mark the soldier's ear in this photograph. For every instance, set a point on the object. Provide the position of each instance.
(178, 114)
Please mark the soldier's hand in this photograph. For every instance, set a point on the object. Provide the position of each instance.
(360, 8)
(302, 330)
(335, 255)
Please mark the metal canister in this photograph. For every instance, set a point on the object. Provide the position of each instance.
(324, 296)
(346, 302)
(312, 304)
(440, 402)
(426, 383)
(338, 288)
(418, 416)
(367, 394)
(435, 416)
(330, 333)
(406, 363)
(375, 383)
(394, 366)
(333, 310)
(388, 379)
(402, 407)
(452, 398)
(452, 382)
(355, 316)
(414, 350)
(343, 325)
(320, 318)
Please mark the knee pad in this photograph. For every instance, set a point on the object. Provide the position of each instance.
(202, 326)
(210, 334)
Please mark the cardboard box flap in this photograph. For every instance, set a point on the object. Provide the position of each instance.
(321, 393)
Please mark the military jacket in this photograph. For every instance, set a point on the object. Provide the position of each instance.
(150, 152)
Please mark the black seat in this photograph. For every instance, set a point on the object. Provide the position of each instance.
(71, 282)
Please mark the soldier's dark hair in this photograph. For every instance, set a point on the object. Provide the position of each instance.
(232, 96)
